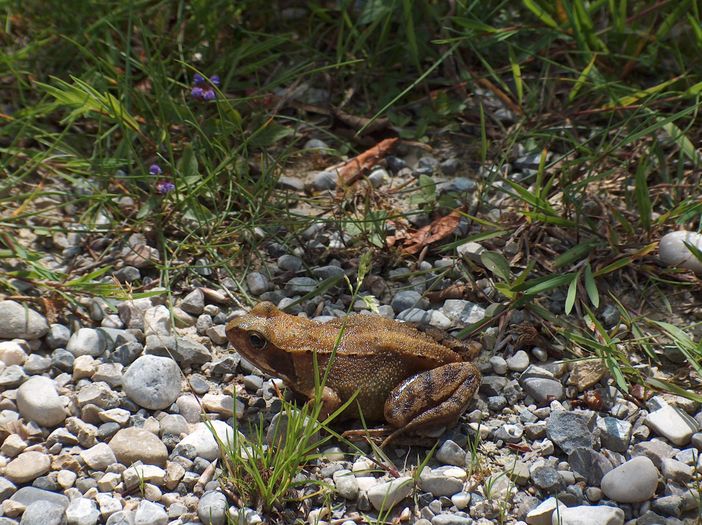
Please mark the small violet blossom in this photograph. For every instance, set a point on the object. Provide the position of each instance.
(164, 186)
(204, 89)
(155, 169)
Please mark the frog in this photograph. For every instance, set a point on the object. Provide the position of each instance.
(391, 371)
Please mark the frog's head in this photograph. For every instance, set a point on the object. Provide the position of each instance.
(259, 337)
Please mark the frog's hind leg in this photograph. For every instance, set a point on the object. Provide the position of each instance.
(432, 398)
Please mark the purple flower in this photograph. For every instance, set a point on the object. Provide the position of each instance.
(164, 186)
(155, 169)
(204, 88)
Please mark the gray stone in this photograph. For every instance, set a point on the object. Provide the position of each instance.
(37, 364)
(615, 434)
(185, 351)
(43, 513)
(18, 321)
(127, 274)
(194, 302)
(669, 505)
(38, 401)
(346, 484)
(7, 489)
(87, 341)
(439, 484)
(131, 444)
(126, 354)
(470, 252)
(28, 495)
(98, 457)
(58, 336)
(450, 166)
(405, 299)
(12, 377)
(121, 517)
(655, 450)
(677, 471)
(569, 430)
(543, 390)
(673, 424)
(257, 283)
(286, 182)
(415, 316)
(152, 382)
(590, 464)
(300, 286)
(499, 365)
(589, 515)
(99, 394)
(632, 482)
(546, 478)
(384, 496)
(518, 362)
(289, 263)
(212, 508)
(325, 180)
(463, 312)
(82, 511)
(62, 359)
(203, 441)
(451, 453)
(541, 515)
(157, 321)
(149, 513)
(509, 433)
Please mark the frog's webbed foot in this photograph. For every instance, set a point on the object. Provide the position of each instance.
(432, 398)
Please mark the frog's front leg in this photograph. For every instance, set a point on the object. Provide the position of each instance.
(433, 398)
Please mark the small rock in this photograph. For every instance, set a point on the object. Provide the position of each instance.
(11, 353)
(42, 513)
(157, 321)
(569, 430)
(152, 382)
(98, 457)
(450, 453)
(674, 252)
(194, 302)
(543, 390)
(148, 513)
(673, 424)
(204, 442)
(655, 450)
(257, 283)
(463, 312)
(325, 180)
(590, 464)
(438, 484)
(518, 362)
(300, 286)
(20, 322)
(58, 336)
(584, 374)
(87, 341)
(406, 299)
(677, 471)
(589, 515)
(38, 401)
(632, 482)
(289, 263)
(27, 467)
(384, 496)
(542, 514)
(470, 252)
(82, 511)
(212, 508)
(346, 484)
(135, 444)
(615, 434)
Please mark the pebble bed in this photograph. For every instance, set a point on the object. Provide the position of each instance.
(99, 421)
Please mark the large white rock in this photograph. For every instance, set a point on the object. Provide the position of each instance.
(673, 251)
(588, 515)
(38, 401)
(17, 321)
(673, 424)
(204, 442)
(632, 482)
(541, 515)
(152, 382)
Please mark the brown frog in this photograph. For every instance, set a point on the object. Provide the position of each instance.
(398, 374)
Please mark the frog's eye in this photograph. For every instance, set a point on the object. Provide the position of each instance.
(257, 340)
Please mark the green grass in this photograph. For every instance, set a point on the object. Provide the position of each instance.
(607, 92)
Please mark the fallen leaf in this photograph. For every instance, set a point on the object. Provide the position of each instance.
(353, 169)
(431, 233)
